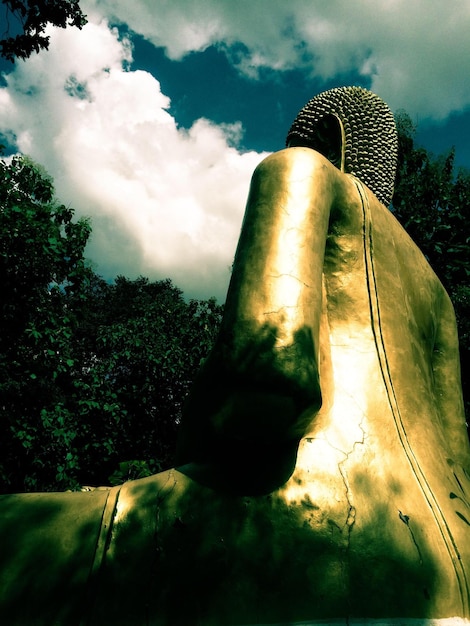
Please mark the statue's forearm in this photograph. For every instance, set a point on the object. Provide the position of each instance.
(261, 381)
(274, 300)
(278, 266)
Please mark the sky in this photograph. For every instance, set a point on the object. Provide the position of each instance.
(152, 118)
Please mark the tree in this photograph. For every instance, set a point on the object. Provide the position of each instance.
(30, 18)
(140, 345)
(41, 267)
(432, 201)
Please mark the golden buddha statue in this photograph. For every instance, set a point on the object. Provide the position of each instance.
(323, 459)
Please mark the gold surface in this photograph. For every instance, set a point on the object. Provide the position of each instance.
(323, 456)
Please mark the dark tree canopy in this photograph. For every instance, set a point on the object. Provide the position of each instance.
(140, 345)
(25, 22)
(41, 269)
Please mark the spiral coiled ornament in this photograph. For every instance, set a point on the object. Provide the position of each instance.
(368, 135)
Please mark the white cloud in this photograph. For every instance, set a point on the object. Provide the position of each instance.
(416, 53)
(165, 202)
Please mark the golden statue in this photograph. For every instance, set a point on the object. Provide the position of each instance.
(323, 458)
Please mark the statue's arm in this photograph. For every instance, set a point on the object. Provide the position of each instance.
(261, 381)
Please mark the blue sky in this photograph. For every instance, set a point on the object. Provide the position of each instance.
(152, 118)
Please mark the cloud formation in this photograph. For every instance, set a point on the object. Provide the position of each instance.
(164, 201)
(415, 53)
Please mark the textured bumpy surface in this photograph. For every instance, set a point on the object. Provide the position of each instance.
(370, 134)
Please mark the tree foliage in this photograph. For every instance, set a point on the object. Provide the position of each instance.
(30, 18)
(140, 345)
(41, 268)
(432, 201)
